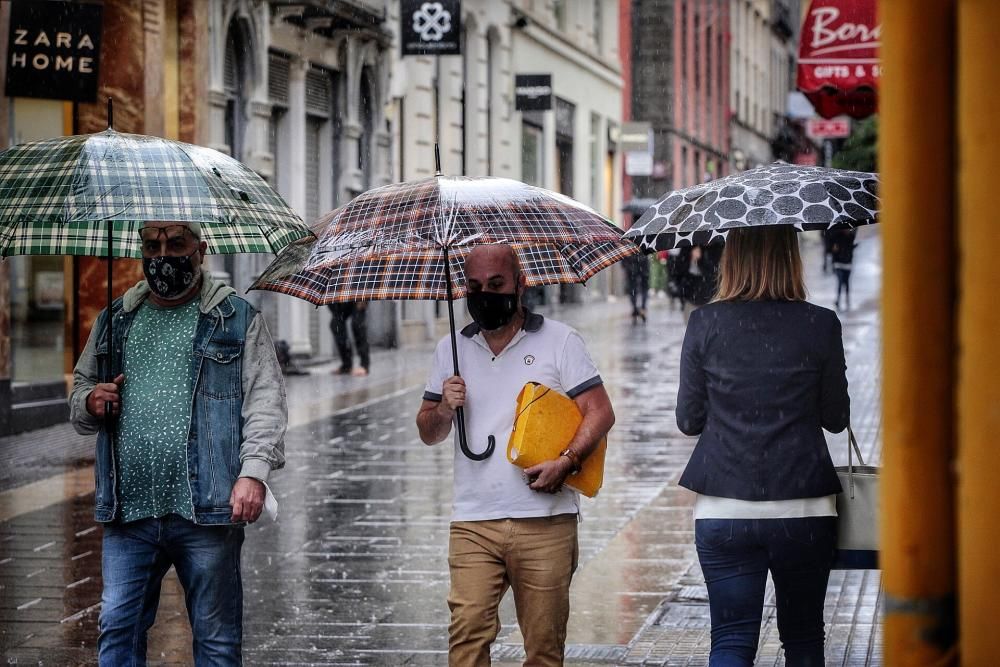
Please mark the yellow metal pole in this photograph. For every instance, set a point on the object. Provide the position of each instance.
(916, 164)
(978, 329)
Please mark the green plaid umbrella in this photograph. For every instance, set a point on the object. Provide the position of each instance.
(90, 194)
(61, 196)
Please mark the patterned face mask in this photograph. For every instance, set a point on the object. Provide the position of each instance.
(170, 277)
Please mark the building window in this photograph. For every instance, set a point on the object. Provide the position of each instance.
(532, 155)
(684, 41)
(596, 162)
(684, 177)
(366, 114)
(319, 107)
(234, 83)
(565, 119)
(697, 52)
(234, 75)
(559, 13)
(599, 25)
(278, 71)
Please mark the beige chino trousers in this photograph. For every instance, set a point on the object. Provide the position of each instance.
(535, 558)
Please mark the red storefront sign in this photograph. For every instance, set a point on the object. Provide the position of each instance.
(839, 66)
(835, 128)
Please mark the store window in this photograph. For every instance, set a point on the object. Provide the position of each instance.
(37, 287)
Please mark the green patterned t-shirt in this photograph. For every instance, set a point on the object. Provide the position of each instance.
(156, 413)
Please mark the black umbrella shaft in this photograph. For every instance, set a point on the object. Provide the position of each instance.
(463, 441)
(108, 419)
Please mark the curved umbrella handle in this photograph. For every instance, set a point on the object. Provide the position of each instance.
(463, 441)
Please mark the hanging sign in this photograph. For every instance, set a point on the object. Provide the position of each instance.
(839, 68)
(431, 28)
(532, 92)
(53, 50)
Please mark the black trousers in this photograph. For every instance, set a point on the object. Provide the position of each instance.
(359, 330)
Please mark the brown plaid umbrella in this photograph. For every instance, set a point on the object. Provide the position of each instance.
(409, 241)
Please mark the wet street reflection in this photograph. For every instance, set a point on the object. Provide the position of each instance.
(355, 569)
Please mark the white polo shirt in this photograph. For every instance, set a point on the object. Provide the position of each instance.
(543, 351)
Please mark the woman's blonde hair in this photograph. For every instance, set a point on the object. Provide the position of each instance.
(761, 264)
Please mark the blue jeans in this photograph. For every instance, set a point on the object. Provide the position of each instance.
(136, 555)
(735, 556)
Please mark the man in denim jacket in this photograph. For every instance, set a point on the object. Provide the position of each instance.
(197, 424)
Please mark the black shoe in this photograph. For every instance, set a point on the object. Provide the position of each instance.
(343, 370)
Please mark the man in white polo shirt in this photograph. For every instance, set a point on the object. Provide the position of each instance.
(510, 528)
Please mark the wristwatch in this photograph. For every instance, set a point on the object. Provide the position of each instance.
(574, 459)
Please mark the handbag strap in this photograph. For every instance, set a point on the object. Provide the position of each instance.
(852, 448)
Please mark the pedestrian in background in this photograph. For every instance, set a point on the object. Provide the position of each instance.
(506, 532)
(698, 268)
(357, 313)
(842, 247)
(762, 374)
(637, 284)
(199, 413)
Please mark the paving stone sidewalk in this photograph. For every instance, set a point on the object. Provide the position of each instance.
(355, 570)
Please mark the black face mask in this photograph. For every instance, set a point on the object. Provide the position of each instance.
(169, 277)
(491, 310)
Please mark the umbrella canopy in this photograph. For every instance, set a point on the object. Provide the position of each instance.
(60, 197)
(391, 242)
(90, 194)
(409, 241)
(777, 194)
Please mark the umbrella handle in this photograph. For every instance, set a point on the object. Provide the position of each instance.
(463, 441)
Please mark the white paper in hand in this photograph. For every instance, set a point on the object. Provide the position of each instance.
(270, 503)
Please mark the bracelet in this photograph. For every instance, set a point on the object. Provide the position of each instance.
(574, 459)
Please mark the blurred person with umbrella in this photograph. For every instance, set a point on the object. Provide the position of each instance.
(179, 377)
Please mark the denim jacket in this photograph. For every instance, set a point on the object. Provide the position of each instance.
(238, 411)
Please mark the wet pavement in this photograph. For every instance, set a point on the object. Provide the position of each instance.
(355, 570)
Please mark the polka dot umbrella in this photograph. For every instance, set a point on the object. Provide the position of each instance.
(776, 194)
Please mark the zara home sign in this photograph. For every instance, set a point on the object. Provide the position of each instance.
(53, 50)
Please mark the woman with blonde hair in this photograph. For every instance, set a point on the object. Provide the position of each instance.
(762, 374)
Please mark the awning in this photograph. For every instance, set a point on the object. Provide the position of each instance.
(839, 65)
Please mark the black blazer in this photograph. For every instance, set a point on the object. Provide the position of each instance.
(759, 381)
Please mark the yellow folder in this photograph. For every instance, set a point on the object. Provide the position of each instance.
(545, 421)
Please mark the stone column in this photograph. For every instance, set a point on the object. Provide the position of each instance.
(294, 313)
(123, 77)
(194, 65)
(153, 22)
